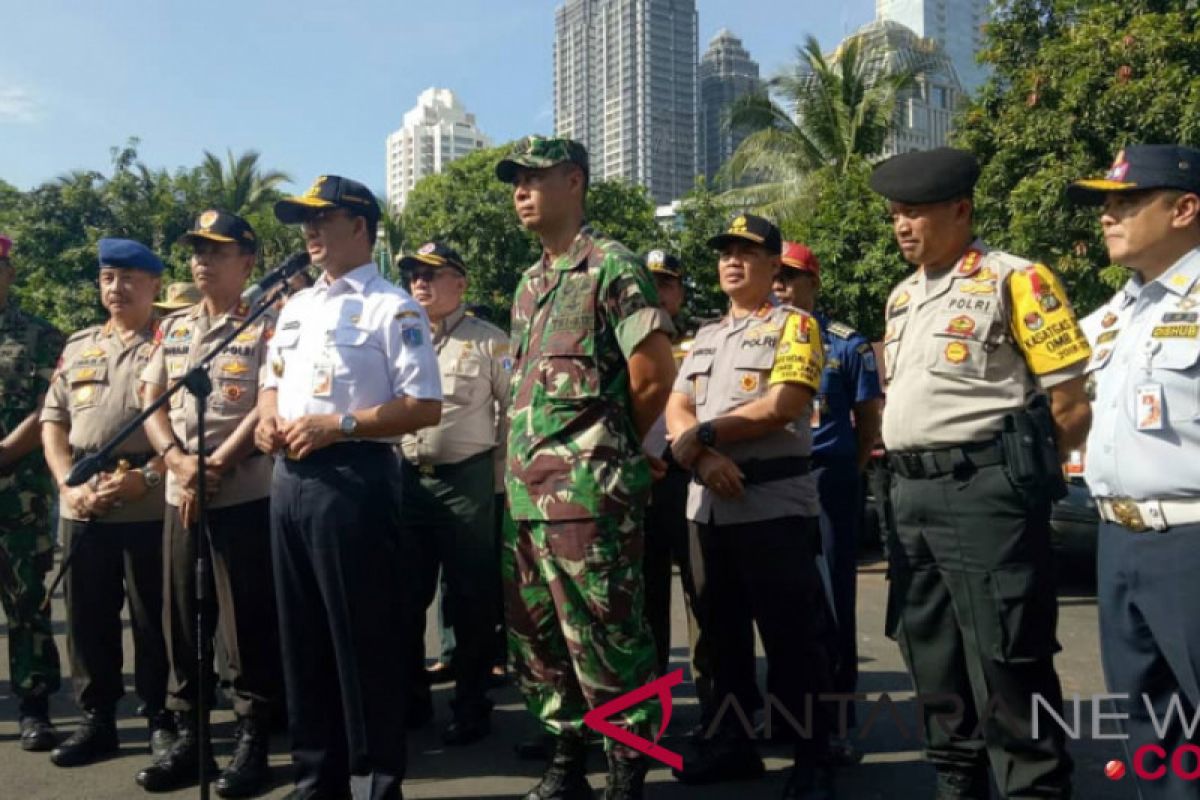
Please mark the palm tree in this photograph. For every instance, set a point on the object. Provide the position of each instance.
(238, 185)
(832, 111)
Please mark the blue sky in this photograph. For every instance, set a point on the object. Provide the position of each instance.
(315, 86)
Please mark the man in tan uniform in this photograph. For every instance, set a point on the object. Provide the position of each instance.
(239, 484)
(449, 480)
(113, 523)
(974, 336)
(738, 418)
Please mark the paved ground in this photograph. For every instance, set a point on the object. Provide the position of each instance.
(892, 768)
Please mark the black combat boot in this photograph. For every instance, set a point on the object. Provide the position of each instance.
(247, 770)
(37, 733)
(95, 738)
(566, 777)
(626, 777)
(181, 765)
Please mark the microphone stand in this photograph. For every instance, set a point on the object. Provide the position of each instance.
(199, 385)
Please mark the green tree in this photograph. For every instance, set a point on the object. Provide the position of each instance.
(849, 232)
(822, 113)
(702, 215)
(239, 185)
(1074, 81)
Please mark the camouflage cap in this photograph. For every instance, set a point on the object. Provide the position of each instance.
(539, 152)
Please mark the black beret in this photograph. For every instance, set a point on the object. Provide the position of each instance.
(926, 176)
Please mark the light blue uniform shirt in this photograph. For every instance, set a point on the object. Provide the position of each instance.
(353, 343)
(1147, 342)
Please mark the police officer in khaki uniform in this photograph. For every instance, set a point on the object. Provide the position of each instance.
(449, 476)
(112, 524)
(975, 340)
(739, 420)
(239, 484)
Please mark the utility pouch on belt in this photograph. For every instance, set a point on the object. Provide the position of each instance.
(1030, 451)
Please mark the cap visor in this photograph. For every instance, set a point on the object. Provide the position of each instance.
(1092, 192)
(797, 266)
(192, 236)
(506, 170)
(294, 210)
(719, 242)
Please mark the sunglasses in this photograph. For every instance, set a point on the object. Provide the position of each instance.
(428, 274)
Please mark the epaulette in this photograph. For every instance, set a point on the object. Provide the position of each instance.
(83, 333)
(841, 330)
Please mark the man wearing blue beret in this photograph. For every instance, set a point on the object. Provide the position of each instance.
(114, 522)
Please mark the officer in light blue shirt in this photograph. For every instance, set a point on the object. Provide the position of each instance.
(846, 419)
(1143, 453)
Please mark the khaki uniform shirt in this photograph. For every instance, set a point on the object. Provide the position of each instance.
(733, 362)
(185, 337)
(972, 345)
(95, 393)
(475, 367)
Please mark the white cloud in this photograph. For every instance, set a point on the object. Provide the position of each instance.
(18, 105)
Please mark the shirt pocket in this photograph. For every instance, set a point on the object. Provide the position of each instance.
(892, 338)
(88, 386)
(460, 377)
(752, 369)
(567, 368)
(1179, 375)
(962, 341)
(235, 385)
(698, 370)
(347, 347)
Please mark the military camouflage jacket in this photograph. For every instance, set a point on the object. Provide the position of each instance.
(573, 450)
(29, 349)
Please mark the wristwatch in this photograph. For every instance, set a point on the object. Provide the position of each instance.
(348, 424)
(151, 476)
(706, 434)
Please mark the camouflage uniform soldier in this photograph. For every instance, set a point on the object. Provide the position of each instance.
(593, 368)
(29, 347)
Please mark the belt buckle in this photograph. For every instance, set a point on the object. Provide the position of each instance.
(1129, 515)
(426, 470)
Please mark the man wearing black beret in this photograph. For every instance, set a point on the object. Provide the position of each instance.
(972, 335)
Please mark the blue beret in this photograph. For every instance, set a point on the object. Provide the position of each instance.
(130, 255)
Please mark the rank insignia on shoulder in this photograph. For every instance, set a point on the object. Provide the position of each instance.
(971, 263)
(841, 330)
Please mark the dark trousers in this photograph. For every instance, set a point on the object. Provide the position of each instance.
(1150, 640)
(450, 517)
(974, 606)
(840, 486)
(115, 562)
(242, 611)
(766, 571)
(668, 542)
(346, 582)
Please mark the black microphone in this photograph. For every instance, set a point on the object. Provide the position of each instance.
(294, 263)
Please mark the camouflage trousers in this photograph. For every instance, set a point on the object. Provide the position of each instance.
(577, 630)
(26, 555)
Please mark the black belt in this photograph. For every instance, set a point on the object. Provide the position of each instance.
(766, 470)
(926, 464)
(442, 470)
(134, 460)
(343, 452)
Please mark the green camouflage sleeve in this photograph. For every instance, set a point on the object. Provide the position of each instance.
(631, 302)
(49, 349)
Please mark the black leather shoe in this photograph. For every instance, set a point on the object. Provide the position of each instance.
(163, 732)
(181, 765)
(626, 778)
(439, 673)
(717, 762)
(95, 738)
(247, 770)
(566, 776)
(809, 782)
(37, 732)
